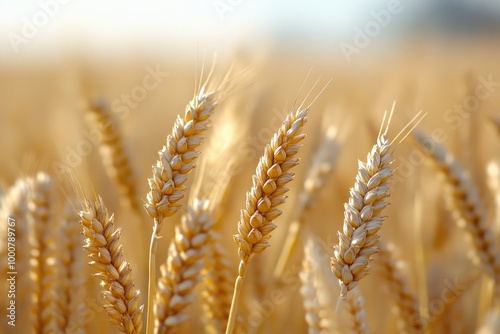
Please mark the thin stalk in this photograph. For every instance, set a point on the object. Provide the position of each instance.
(238, 287)
(419, 246)
(152, 278)
(288, 247)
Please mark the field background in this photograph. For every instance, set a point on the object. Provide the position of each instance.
(424, 62)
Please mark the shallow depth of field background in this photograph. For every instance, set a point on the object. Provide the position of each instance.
(429, 56)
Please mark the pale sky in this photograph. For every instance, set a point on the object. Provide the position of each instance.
(119, 25)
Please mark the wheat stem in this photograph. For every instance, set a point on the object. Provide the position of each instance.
(238, 287)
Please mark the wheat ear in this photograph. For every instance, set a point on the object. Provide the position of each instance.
(76, 273)
(318, 312)
(48, 303)
(113, 153)
(181, 273)
(363, 217)
(355, 307)
(467, 207)
(317, 176)
(267, 193)
(363, 212)
(400, 290)
(120, 298)
(170, 173)
(218, 285)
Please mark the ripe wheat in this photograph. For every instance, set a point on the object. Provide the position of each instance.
(120, 298)
(113, 153)
(181, 273)
(170, 173)
(399, 290)
(267, 193)
(363, 217)
(319, 313)
(467, 207)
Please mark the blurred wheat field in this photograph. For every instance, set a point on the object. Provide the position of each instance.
(45, 121)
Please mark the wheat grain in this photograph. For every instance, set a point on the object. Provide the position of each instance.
(467, 206)
(400, 290)
(113, 153)
(120, 298)
(181, 273)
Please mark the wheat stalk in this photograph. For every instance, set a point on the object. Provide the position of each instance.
(120, 298)
(363, 217)
(467, 206)
(170, 173)
(363, 212)
(272, 174)
(181, 273)
(113, 153)
(405, 300)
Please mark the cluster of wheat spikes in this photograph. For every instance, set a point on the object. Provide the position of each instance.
(198, 288)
